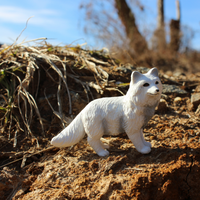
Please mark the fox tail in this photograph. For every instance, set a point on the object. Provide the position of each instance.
(71, 135)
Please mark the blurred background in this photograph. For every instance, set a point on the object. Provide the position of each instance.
(130, 29)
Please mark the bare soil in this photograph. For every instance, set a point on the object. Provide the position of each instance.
(170, 171)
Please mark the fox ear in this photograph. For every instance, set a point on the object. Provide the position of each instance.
(135, 76)
(153, 71)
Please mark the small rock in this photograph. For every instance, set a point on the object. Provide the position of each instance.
(198, 133)
(130, 66)
(178, 73)
(162, 106)
(124, 70)
(190, 106)
(164, 96)
(198, 111)
(177, 99)
(195, 100)
(197, 89)
(142, 70)
(170, 89)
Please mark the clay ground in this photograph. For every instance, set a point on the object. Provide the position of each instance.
(171, 171)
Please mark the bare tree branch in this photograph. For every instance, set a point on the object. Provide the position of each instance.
(137, 41)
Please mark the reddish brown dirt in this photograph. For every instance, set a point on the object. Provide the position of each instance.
(171, 171)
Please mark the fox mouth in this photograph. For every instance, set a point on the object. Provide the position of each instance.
(151, 94)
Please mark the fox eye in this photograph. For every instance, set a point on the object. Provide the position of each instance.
(146, 85)
(156, 82)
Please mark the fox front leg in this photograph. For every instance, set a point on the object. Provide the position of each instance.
(144, 141)
(137, 140)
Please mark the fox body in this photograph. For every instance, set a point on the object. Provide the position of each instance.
(115, 115)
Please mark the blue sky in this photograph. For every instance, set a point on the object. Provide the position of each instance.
(62, 21)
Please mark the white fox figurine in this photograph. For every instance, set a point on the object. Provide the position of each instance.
(115, 115)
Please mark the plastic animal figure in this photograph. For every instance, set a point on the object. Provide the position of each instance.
(115, 115)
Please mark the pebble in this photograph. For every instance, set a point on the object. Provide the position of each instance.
(195, 99)
(162, 106)
(177, 99)
(194, 103)
(124, 70)
(197, 89)
(173, 89)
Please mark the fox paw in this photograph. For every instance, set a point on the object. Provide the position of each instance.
(147, 144)
(145, 150)
(103, 153)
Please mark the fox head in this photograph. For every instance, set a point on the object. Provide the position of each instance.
(145, 89)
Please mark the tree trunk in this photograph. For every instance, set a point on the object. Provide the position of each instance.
(178, 10)
(137, 41)
(175, 36)
(160, 32)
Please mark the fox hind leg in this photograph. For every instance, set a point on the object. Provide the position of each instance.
(105, 143)
(95, 132)
(98, 147)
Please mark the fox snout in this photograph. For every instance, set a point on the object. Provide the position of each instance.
(153, 90)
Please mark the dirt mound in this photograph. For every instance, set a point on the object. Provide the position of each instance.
(32, 169)
(164, 174)
(170, 171)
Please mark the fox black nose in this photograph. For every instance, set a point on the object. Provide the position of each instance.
(157, 90)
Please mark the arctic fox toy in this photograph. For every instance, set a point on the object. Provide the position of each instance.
(115, 115)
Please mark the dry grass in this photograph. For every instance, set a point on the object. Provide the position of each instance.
(20, 72)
